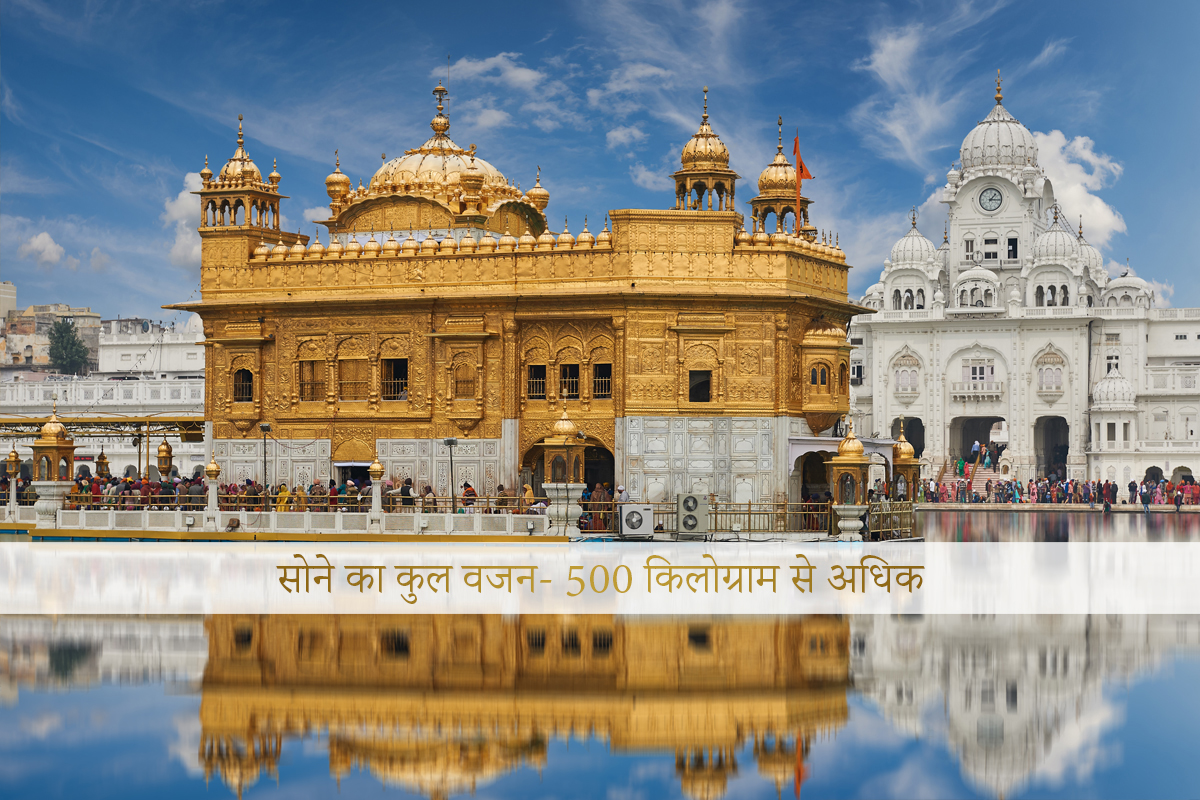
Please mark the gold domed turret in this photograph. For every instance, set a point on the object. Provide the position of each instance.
(337, 185)
(280, 250)
(604, 238)
(850, 444)
(372, 247)
(298, 249)
(53, 430)
(527, 242)
(538, 195)
(410, 245)
(391, 246)
(206, 173)
(564, 426)
(376, 469)
(274, 177)
(705, 150)
(902, 449)
(705, 182)
(213, 470)
(507, 243)
(353, 246)
(316, 249)
(262, 251)
(240, 169)
(164, 449)
(586, 240)
(780, 176)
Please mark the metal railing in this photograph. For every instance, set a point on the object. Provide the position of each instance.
(134, 501)
(889, 519)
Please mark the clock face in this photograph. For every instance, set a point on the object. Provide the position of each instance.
(990, 199)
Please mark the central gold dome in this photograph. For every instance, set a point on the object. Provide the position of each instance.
(439, 164)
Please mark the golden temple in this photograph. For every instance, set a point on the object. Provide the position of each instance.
(689, 351)
(439, 705)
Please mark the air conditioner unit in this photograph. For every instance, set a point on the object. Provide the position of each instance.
(691, 514)
(637, 520)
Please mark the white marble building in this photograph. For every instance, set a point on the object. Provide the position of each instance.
(1014, 319)
(162, 375)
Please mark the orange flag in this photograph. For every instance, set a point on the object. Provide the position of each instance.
(802, 173)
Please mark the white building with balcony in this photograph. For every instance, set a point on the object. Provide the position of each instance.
(146, 371)
(1011, 325)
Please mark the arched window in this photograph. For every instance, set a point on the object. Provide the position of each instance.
(1089, 301)
(896, 300)
(243, 386)
(987, 297)
(464, 382)
(842, 378)
(908, 299)
(824, 377)
(962, 299)
(920, 298)
(1050, 295)
(975, 299)
(813, 377)
(1063, 296)
(1112, 301)
(1039, 297)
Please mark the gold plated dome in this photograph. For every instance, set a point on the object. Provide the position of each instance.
(538, 195)
(564, 426)
(164, 449)
(705, 150)
(54, 430)
(902, 449)
(439, 167)
(213, 470)
(239, 168)
(316, 248)
(780, 176)
(206, 173)
(337, 185)
(850, 445)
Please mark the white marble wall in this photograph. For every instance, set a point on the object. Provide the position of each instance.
(660, 457)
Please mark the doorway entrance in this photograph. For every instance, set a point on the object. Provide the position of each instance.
(352, 471)
(966, 431)
(1051, 441)
(598, 467)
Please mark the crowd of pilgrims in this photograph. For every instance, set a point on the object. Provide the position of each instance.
(1058, 490)
(131, 494)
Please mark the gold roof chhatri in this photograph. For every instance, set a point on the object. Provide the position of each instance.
(54, 432)
(240, 168)
(779, 178)
(705, 150)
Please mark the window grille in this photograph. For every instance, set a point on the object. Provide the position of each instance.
(312, 381)
(602, 381)
(353, 378)
(395, 379)
(536, 388)
(568, 384)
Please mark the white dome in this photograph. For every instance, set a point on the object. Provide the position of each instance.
(1114, 392)
(875, 289)
(1128, 280)
(194, 324)
(913, 248)
(1056, 245)
(1090, 256)
(999, 140)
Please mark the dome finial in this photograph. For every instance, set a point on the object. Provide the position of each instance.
(337, 162)
(999, 94)
(1081, 227)
(780, 145)
(1054, 208)
(239, 130)
(440, 93)
(703, 117)
(913, 216)
(946, 233)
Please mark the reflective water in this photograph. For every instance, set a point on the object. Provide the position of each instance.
(599, 707)
(1056, 526)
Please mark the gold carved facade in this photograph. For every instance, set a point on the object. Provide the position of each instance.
(439, 705)
(664, 294)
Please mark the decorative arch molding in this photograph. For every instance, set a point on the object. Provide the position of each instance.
(1050, 354)
(908, 356)
(394, 213)
(979, 350)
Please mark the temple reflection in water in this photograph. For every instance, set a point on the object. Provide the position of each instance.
(443, 705)
(438, 705)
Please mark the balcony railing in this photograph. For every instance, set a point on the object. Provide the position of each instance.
(977, 390)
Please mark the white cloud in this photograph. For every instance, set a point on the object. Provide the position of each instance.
(491, 118)
(905, 120)
(71, 263)
(501, 68)
(184, 212)
(98, 260)
(43, 249)
(625, 135)
(316, 213)
(1076, 172)
(1052, 50)
(649, 178)
(1163, 292)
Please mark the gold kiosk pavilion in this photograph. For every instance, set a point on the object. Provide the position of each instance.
(687, 350)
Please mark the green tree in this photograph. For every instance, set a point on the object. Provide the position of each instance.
(68, 353)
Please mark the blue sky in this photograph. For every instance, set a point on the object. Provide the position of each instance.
(106, 108)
